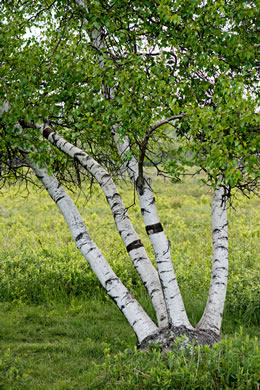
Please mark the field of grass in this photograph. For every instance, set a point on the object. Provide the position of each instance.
(58, 330)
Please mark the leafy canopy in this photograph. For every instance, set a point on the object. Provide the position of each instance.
(92, 68)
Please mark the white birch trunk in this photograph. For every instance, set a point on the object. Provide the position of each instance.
(141, 323)
(161, 245)
(98, 42)
(133, 244)
(213, 313)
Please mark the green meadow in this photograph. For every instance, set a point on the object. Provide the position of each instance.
(58, 329)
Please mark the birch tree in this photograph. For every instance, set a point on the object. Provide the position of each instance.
(89, 88)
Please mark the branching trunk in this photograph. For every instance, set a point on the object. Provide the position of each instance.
(141, 323)
(212, 317)
(176, 311)
(161, 245)
(129, 236)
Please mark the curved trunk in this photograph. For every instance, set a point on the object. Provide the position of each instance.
(161, 245)
(126, 230)
(212, 316)
(134, 313)
(98, 42)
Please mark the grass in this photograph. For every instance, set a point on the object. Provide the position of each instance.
(57, 345)
(56, 324)
(63, 346)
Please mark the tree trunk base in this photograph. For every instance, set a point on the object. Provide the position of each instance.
(166, 338)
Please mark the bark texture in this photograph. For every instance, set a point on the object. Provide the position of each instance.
(141, 323)
(165, 338)
(127, 232)
(213, 313)
(161, 245)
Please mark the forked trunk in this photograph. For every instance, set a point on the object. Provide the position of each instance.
(133, 244)
(141, 323)
(161, 245)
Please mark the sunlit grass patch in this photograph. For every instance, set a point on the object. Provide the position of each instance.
(40, 262)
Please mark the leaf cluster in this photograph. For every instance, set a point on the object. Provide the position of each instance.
(89, 70)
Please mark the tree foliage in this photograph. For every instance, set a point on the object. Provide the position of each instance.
(156, 60)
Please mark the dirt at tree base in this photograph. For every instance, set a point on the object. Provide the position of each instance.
(166, 338)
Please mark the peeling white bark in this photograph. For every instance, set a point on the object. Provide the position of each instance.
(213, 313)
(161, 245)
(133, 244)
(141, 323)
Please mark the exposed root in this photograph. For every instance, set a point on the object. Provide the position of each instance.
(166, 338)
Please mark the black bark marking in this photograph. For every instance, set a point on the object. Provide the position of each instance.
(61, 197)
(106, 175)
(221, 247)
(172, 280)
(115, 194)
(225, 268)
(128, 295)
(223, 238)
(111, 198)
(167, 250)
(115, 297)
(174, 296)
(123, 231)
(90, 250)
(152, 201)
(145, 211)
(110, 280)
(46, 132)
(161, 261)
(119, 213)
(155, 228)
(163, 317)
(79, 236)
(130, 301)
(154, 291)
(115, 205)
(139, 259)
(134, 245)
(79, 154)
